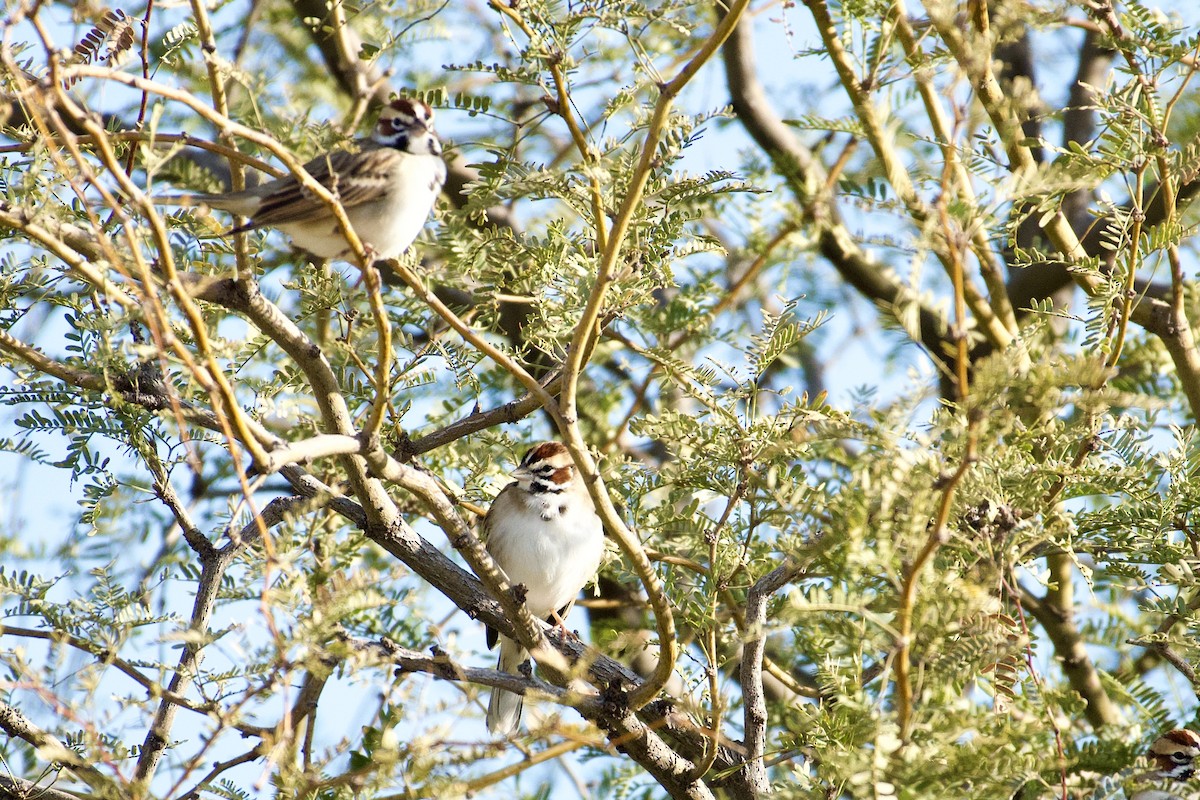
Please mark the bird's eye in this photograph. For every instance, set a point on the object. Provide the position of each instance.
(1180, 758)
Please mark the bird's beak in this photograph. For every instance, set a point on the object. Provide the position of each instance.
(521, 474)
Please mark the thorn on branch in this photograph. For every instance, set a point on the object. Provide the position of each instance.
(614, 699)
(663, 707)
(143, 385)
(519, 593)
(154, 740)
(443, 666)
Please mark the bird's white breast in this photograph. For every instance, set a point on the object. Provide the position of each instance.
(389, 224)
(400, 217)
(554, 558)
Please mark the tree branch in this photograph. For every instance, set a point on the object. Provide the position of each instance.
(1056, 615)
(16, 724)
(21, 789)
(1030, 284)
(213, 564)
(806, 178)
(753, 697)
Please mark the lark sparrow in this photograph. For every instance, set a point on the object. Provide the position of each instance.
(387, 185)
(542, 530)
(1175, 753)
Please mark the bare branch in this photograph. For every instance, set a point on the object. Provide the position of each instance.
(153, 688)
(21, 789)
(1163, 649)
(213, 565)
(480, 420)
(16, 724)
(753, 697)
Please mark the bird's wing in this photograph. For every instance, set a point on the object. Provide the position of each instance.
(497, 546)
(500, 543)
(355, 178)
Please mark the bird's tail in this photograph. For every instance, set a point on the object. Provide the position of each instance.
(181, 200)
(504, 709)
(242, 203)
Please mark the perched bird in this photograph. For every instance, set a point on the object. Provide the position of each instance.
(387, 184)
(542, 530)
(1175, 754)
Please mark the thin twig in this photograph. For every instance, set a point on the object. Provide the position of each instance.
(939, 532)
(583, 341)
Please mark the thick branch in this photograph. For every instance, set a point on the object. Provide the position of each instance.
(213, 564)
(806, 178)
(21, 789)
(16, 724)
(1028, 285)
(755, 712)
(1056, 615)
